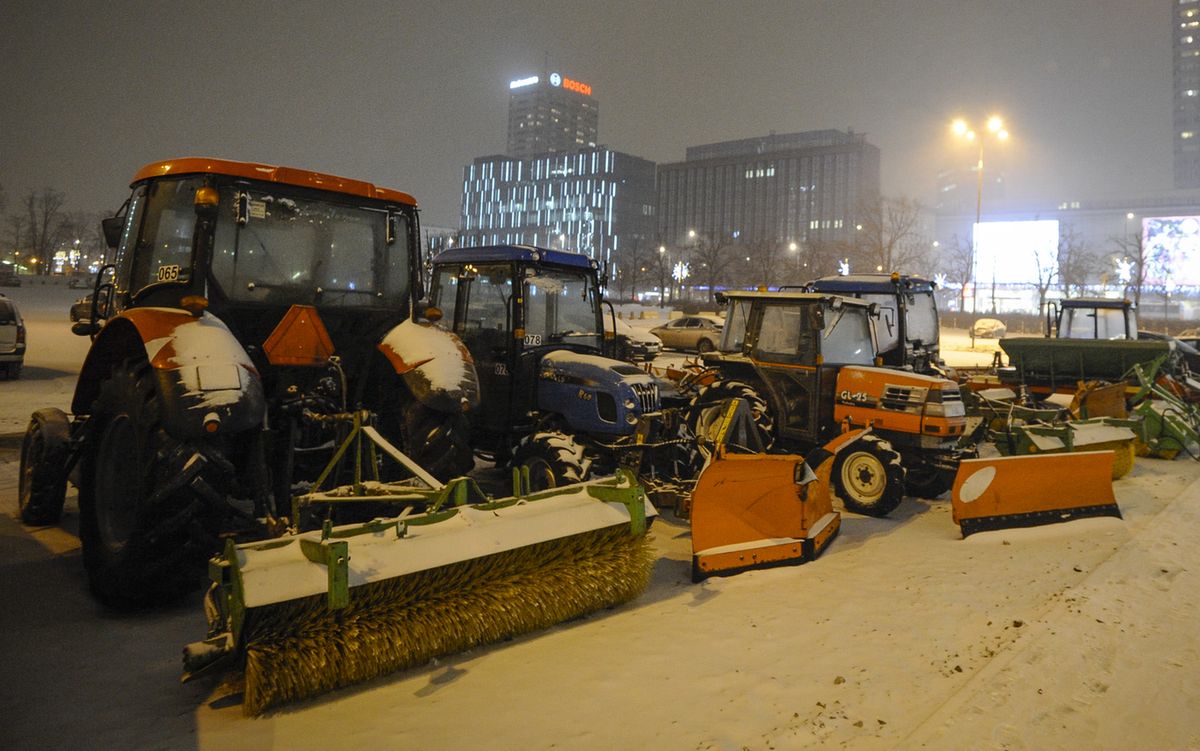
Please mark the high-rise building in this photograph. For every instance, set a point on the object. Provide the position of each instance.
(550, 114)
(1185, 34)
(594, 201)
(793, 187)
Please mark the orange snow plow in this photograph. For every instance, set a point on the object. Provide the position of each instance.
(1027, 491)
(754, 510)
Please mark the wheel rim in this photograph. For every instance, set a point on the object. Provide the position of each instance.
(541, 475)
(116, 495)
(863, 477)
(31, 455)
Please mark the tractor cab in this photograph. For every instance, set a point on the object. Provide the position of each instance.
(1091, 318)
(907, 328)
(246, 242)
(795, 344)
(531, 318)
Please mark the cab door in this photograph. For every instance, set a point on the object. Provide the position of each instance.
(482, 300)
(784, 353)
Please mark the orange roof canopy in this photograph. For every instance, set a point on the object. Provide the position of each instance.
(269, 173)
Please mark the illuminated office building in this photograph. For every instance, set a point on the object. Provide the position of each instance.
(550, 114)
(792, 187)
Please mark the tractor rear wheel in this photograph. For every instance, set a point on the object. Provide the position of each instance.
(146, 532)
(868, 477)
(553, 460)
(43, 481)
(717, 392)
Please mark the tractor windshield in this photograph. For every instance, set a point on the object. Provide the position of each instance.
(922, 318)
(846, 337)
(1093, 323)
(561, 307)
(283, 249)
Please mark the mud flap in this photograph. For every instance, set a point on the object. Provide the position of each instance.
(758, 510)
(1027, 491)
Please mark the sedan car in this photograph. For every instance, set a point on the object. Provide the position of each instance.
(81, 309)
(12, 339)
(634, 345)
(989, 328)
(692, 333)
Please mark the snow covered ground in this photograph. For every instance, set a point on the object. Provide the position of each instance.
(902, 635)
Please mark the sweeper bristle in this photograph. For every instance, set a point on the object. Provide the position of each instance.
(300, 649)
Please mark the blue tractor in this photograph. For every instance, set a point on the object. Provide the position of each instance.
(552, 398)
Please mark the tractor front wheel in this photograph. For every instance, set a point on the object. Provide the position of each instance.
(553, 460)
(43, 481)
(928, 482)
(868, 477)
(439, 441)
(145, 531)
(717, 392)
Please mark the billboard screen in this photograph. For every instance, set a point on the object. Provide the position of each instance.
(1012, 252)
(1172, 250)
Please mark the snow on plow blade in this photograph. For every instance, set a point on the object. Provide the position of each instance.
(1027, 491)
(320, 610)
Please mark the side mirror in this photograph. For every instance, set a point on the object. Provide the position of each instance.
(112, 227)
(84, 328)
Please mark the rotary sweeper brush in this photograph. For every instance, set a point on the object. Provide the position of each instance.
(317, 611)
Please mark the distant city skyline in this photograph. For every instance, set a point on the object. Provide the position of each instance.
(404, 94)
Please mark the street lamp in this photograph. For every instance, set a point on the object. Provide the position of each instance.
(963, 130)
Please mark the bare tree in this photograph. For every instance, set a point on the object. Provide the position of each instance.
(1075, 264)
(891, 237)
(1137, 255)
(821, 257)
(958, 263)
(710, 260)
(766, 262)
(1046, 264)
(43, 210)
(660, 267)
(632, 269)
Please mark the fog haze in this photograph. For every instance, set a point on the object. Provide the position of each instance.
(405, 94)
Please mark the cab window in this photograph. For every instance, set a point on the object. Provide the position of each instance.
(165, 243)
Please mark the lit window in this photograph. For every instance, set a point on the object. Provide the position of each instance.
(1187, 134)
(1187, 39)
(1190, 92)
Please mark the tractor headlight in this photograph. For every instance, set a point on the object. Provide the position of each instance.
(631, 418)
(935, 410)
(630, 404)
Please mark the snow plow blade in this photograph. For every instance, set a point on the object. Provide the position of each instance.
(317, 611)
(758, 510)
(1027, 491)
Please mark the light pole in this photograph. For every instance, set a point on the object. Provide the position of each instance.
(995, 126)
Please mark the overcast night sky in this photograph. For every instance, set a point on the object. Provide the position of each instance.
(405, 94)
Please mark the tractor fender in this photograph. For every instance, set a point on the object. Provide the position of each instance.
(206, 382)
(820, 457)
(436, 366)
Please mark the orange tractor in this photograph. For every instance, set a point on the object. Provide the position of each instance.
(806, 366)
(248, 306)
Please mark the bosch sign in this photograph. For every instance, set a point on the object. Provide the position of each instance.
(570, 85)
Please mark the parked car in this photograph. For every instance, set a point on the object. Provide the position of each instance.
(988, 328)
(81, 309)
(633, 344)
(12, 339)
(692, 333)
(8, 277)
